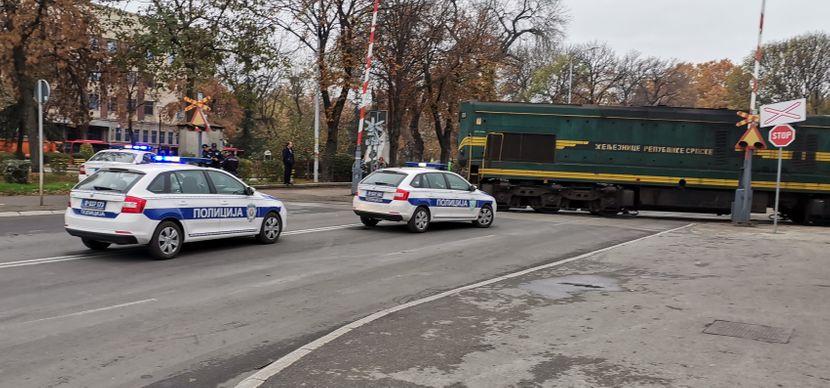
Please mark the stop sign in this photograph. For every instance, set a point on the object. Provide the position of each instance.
(782, 135)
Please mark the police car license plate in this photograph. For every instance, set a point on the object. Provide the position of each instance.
(92, 204)
(374, 196)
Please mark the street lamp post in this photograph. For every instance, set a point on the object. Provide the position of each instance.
(570, 77)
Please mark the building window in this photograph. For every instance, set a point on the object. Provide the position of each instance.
(170, 138)
(117, 133)
(148, 108)
(153, 137)
(112, 106)
(177, 138)
(95, 76)
(93, 44)
(130, 105)
(112, 46)
(144, 135)
(94, 101)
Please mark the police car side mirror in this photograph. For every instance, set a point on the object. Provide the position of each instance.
(473, 188)
(249, 190)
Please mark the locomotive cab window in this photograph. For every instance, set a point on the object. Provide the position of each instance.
(521, 147)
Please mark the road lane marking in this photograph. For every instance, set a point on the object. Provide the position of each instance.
(58, 259)
(321, 229)
(261, 376)
(113, 307)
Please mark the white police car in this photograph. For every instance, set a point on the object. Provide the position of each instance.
(113, 157)
(419, 196)
(166, 205)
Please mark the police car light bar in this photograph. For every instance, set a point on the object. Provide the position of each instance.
(179, 159)
(135, 147)
(437, 166)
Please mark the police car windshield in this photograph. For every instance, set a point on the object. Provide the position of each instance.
(113, 156)
(384, 178)
(110, 181)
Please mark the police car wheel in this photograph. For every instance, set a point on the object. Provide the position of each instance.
(369, 221)
(95, 245)
(485, 217)
(270, 230)
(419, 221)
(167, 241)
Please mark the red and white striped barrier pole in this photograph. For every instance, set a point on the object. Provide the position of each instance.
(756, 72)
(742, 209)
(357, 169)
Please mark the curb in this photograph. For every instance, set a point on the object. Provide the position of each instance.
(302, 185)
(262, 375)
(30, 213)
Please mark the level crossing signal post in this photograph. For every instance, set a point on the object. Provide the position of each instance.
(779, 115)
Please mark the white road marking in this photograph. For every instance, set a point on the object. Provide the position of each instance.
(261, 376)
(58, 259)
(321, 229)
(113, 307)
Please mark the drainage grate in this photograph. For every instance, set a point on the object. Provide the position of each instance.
(774, 335)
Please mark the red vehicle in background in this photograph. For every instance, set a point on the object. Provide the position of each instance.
(74, 146)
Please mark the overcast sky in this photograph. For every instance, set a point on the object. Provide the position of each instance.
(691, 30)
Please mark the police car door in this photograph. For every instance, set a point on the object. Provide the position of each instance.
(241, 210)
(463, 201)
(191, 194)
(440, 197)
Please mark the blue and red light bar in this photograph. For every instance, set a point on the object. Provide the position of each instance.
(180, 159)
(136, 147)
(437, 166)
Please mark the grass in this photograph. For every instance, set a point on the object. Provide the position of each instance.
(52, 184)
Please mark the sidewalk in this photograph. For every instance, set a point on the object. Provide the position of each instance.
(631, 316)
(30, 203)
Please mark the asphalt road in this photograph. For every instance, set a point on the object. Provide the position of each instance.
(225, 308)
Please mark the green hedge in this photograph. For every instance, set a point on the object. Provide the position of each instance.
(58, 162)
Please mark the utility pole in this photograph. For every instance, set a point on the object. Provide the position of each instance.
(41, 95)
(742, 206)
(317, 108)
(357, 168)
(570, 76)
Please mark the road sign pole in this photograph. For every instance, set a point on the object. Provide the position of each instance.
(40, 139)
(777, 190)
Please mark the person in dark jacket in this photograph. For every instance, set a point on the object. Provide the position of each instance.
(215, 156)
(288, 162)
(230, 163)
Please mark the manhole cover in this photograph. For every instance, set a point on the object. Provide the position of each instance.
(774, 335)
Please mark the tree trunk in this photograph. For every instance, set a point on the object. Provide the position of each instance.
(333, 111)
(26, 120)
(414, 130)
(393, 124)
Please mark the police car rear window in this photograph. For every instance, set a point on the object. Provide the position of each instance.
(119, 157)
(384, 178)
(116, 181)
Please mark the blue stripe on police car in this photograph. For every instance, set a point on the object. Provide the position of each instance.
(205, 213)
(447, 202)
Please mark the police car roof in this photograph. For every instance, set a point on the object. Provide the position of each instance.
(127, 150)
(410, 170)
(158, 167)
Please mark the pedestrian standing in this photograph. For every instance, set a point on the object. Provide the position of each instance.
(230, 163)
(288, 162)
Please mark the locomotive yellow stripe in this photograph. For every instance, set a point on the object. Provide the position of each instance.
(669, 180)
(475, 141)
(481, 141)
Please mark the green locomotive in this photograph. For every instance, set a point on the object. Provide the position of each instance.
(609, 159)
